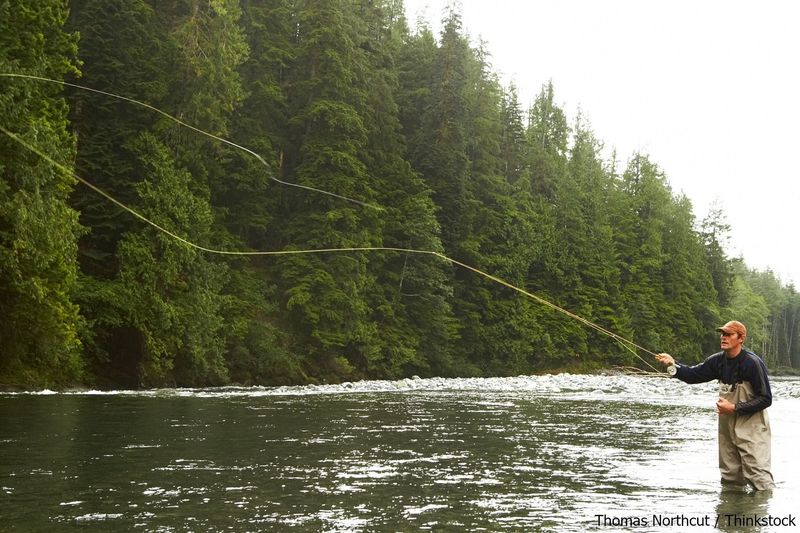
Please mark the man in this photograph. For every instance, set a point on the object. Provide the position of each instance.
(744, 394)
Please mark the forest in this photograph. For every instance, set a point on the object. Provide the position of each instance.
(343, 96)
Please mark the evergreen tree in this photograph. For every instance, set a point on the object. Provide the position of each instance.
(335, 95)
(39, 345)
(641, 220)
(249, 201)
(426, 286)
(409, 298)
(789, 333)
(546, 166)
(779, 335)
(715, 232)
(438, 147)
(415, 73)
(663, 274)
(211, 61)
(523, 238)
(172, 292)
(207, 47)
(751, 308)
(548, 135)
(121, 49)
(513, 144)
(261, 124)
(500, 330)
(690, 305)
(586, 256)
(191, 53)
(325, 295)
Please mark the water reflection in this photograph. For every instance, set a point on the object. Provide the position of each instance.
(736, 504)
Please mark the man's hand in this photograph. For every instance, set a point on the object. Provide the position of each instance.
(665, 359)
(724, 407)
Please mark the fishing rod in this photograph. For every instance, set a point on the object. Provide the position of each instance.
(629, 345)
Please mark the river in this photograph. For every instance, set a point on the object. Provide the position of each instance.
(540, 453)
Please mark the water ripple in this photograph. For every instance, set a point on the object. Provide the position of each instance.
(539, 453)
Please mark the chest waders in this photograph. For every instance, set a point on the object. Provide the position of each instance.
(744, 441)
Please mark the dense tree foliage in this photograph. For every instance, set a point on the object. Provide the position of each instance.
(345, 97)
(39, 339)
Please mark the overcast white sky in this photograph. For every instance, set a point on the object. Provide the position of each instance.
(710, 89)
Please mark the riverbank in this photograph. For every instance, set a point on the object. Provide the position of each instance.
(782, 371)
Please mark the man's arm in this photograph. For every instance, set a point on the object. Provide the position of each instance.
(705, 371)
(756, 374)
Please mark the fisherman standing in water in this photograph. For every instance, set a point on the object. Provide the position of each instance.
(744, 395)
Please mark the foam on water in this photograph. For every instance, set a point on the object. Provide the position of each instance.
(542, 452)
(598, 386)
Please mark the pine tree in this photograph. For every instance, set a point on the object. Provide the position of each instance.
(640, 222)
(546, 167)
(752, 309)
(425, 286)
(513, 142)
(689, 297)
(39, 344)
(325, 295)
(586, 256)
(335, 95)
(172, 292)
(261, 124)
(548, 134)
(663, 273)
(181, 59)
(409, 298)
(524, 240)
(208, 46)
(249, 201)
(121, 49)
(438, 147)
(415, 73)
(779, 334)
(715, 233)
(499, 328)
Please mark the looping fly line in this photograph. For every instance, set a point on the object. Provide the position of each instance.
(198, 130)
(625, 343)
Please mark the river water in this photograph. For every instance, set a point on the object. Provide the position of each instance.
(543, 453)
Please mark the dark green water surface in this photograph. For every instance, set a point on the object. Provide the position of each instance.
(547, 453)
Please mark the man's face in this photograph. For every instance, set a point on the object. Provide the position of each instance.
(729, 341)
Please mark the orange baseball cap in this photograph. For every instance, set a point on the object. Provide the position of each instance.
(734, 326)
